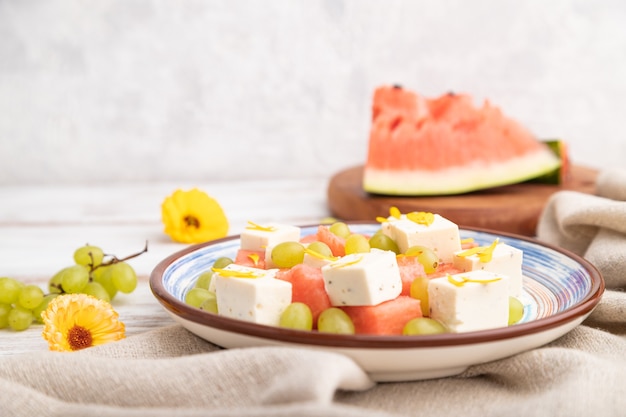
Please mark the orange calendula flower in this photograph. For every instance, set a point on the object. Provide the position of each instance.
(78, 321)
(193, 217)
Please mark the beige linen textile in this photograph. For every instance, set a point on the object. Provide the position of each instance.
(170, 372)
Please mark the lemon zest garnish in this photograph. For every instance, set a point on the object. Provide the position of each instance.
(254, 226)
(255, 258)
(456, 280)
(467, 240)
(471, 251)
(460, 280)
(347, 263)
(319, 255)
(421, 217)
(395, 212)
(484, 253)
(231, 273)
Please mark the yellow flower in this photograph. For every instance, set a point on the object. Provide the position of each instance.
(78, 321)
(193, 217)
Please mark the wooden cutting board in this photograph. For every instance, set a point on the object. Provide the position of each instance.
(513, 208)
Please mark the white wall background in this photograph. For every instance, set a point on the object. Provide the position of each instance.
(142, 90)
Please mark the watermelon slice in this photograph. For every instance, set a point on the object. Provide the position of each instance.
(562, 173)
(446, 145)
(387, 318)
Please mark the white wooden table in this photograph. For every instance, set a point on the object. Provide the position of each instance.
(41, 226)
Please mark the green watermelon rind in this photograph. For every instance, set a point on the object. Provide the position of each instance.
(460, 179)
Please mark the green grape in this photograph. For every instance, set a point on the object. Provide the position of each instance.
(55, 285)
(9, 290)
(74, 279)
(123, 277)
(204, 280)
(97, 290)
(335, 320)
(196, 296)
(422, 326)
(88, 255)
(357, 243)
(419, 291)
(222, 262)
(5, 309)
(20, 318)
(30, 297)
(321, 248)
(102, 275)
(383, 242)
(340, 229)
(42, 307)
(210, 304)
(426, 256)
(516, 310)
(288, 254)
(297, 316)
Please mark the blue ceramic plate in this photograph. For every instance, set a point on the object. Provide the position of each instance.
(560, 291)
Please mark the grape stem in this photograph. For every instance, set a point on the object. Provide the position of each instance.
(144, 250)
(114, 259)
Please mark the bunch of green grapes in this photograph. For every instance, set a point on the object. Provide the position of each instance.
(21, 304)
(95, 273)
(92, 273)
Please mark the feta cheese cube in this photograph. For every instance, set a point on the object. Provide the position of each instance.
(477, 300)
(441, 235)
(251, 294)
(360, 279)
(505, 260)
(258, 238)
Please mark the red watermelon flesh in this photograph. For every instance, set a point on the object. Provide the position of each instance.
(410, 268)
(308, 238)
(401, 103)
(307, 286)
(387, 318)
(336, 243)
(443, 269)
(446, 145)
(250, 258)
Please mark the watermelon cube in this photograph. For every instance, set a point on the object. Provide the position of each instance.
(307, 286)
(250, 258)
(387, 318)
(336, 243)
(410, 268)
